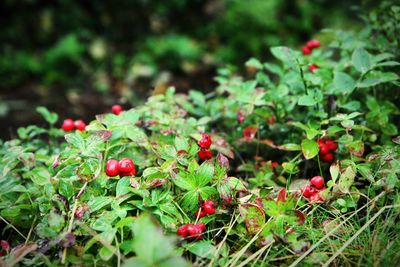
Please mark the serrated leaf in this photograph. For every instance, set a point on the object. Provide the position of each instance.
(204, 174)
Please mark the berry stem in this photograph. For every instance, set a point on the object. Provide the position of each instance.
(71, 221)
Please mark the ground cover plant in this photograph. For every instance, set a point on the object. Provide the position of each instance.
(295, 164)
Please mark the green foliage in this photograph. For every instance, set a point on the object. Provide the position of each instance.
(56, 195)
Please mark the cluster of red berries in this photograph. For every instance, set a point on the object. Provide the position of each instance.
(124, 167)
(192, 231)
(207, 209)
(116, 109)
(326, 147)
(311, 191)
(309, 46)
(204, 144)
(69, 125)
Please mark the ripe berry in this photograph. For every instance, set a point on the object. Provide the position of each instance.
(274, 164)
(313, 67)
(313, 44)
(209, 209)
(308, 191)
(194, 231)
(130, 173)
(331, 145)
(327, 157)
(183, 231)
(80, 125)
(68, 125)
(126, 165)
(323, 149)
(318, 182)
(201, 213)
(205, 141)
(201, 226)
(204, 154)
(116, 109)
(112, 168)
(306, 50)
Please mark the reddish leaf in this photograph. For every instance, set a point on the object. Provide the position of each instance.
(281, 195)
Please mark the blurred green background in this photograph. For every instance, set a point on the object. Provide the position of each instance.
(80, 57)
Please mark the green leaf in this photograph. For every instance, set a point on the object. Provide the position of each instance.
(97, 203)
(40, 176)
(204, 174)
(123, 186)
(76, 140)
(361, 60)
(346, 180)
(381, 77)
(306, 100)
(181, 143)
(286, 55)
(309, 148)
(65, 188)
(254, 63)
(203, 249)
(334, 171)
(343, 83)
(50, 117)
(152, 247)
(185, 181)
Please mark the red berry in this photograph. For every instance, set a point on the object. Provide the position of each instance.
(80, 125)
(313, 67)
(205, 141)
(271, 120)
(318, 182)
(249, 133)
(209, 209)
(131, 173)
(68, 125)
(126, 165)
(204, 154)
(201, 213)
(194, 231)
(307, 191)
(201, 226)
(313, 44)
(112, 168)
(274, 164)
(305, 50)
(327, 157)
(323, 149)
(208, 202)
(116, 109)
(183, 230)
(331, 145)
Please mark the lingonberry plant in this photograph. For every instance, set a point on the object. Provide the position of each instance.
(237, 174)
